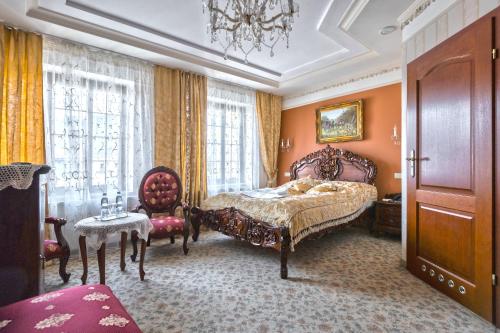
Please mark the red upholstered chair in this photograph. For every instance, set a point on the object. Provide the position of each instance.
(57, 249)
(160, 194)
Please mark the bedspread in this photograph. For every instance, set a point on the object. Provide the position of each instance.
(303, 214)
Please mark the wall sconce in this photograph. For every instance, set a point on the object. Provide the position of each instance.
(286, 145)
(395, 137)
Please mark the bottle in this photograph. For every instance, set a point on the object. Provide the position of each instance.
(104, 206)
(119, 203)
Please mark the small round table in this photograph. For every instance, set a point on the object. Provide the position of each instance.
(97, 232)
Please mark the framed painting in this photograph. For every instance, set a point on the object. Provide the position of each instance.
(340, 122)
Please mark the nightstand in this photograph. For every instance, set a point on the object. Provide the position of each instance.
(387, 217)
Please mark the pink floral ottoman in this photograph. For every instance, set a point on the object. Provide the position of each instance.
(91, 309)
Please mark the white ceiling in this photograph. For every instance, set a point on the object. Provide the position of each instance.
(332, 40)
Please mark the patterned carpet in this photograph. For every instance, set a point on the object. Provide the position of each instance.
(345, 282)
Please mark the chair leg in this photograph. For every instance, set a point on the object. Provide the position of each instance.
(195, 222)
(184, 243)
(63, 261)
(134, 239)
(172, 239)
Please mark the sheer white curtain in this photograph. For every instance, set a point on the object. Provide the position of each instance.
(232, 138)
(98, 110)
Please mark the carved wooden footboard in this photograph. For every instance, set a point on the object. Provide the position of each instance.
(235, 223)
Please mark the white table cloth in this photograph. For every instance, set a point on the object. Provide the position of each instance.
(97, 231)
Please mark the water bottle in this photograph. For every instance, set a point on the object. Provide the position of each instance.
(119, 203)
(104, 206)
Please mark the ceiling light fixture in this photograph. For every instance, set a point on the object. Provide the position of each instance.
(250, 24)
(387, 30)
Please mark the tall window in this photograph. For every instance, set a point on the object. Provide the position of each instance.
(232, 139)
(98, 118)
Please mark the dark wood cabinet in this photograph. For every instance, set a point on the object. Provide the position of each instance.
(22, 214)
(387, 217)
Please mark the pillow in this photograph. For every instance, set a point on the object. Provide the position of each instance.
(325, 187)
(293, 191)
(308, 181)
(301, 186)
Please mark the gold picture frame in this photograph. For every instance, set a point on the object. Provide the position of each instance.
(340, 122)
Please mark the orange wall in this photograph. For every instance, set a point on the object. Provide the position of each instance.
(382, 110)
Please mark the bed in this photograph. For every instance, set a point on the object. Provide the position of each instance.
(272, 218)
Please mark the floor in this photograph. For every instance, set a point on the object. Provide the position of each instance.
(345, 282)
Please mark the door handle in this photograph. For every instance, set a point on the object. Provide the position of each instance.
(412, 159)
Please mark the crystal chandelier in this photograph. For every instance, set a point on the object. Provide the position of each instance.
(250, 24)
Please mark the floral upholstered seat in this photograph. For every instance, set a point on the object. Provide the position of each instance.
(51, 249)
(160, 194)
(79, 309)
(164, 226)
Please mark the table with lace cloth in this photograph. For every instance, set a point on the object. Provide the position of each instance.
(97, 233)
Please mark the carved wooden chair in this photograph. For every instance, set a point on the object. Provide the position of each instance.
(160, 194)
(57, 249)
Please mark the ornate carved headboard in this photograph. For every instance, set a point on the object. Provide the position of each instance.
(335, 164)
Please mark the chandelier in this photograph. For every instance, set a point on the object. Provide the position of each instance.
(250, 24)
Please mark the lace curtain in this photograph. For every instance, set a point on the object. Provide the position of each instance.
(232, 139)
(98, 120)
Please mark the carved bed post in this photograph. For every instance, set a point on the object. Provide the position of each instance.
(285, 248)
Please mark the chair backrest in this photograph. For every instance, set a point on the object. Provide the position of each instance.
(160, 190)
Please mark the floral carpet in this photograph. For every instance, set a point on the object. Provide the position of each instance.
(349, 281)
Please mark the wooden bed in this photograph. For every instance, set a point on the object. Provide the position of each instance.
(325, 164)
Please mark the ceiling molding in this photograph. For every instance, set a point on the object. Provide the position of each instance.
(414, 11)
(94, 11)
(128, 29)
(420, 14)
(365, 82)
(352, 13)
(34, 10)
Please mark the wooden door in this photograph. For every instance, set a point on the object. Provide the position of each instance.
(450, 196)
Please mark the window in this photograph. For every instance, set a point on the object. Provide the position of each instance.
(98, 119)
(92, 114)
(232, 139)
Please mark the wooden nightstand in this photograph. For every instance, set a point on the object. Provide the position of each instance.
(387, 217)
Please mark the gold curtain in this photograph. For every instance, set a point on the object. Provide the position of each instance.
(269, 117)
(21, 97)
(180, 128)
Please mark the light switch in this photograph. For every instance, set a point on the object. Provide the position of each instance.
(287, 174)
(397, 175)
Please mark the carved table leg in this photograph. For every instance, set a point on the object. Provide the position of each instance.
(101, 259)
(134, 238)
(123, 246)
(63, 261)
(83, 252)
(141, 262)
(285, 247)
